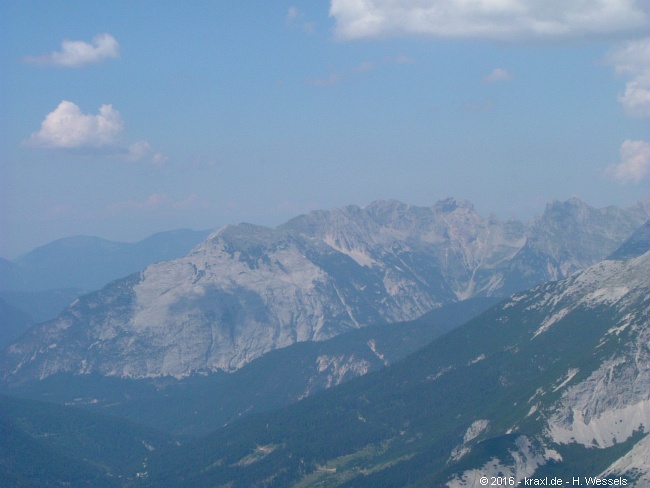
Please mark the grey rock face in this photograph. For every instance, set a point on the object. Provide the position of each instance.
(248, 289)
(603, 398)
(636, 245)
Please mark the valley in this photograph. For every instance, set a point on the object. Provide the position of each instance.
(351, 356)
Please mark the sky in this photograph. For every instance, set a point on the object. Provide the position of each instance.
(120, 119)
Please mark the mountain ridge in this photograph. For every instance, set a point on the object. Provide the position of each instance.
(90, 262)
(552, 382)
(249, 289)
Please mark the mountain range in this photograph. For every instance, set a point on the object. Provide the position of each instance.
(43, 282)
(551, 384)
(89, 263)
(247, 290)
(13, 322)
(195, 405)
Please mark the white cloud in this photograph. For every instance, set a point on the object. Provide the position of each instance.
(139, 150)
(635, 162)
(142, 151)
(159, 159)
(293, 14)
(74, 54)
(67, 127)
(497, 74)
(633, 61)
(488, 19)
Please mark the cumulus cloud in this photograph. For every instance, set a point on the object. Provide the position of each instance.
(142, 151)
(67, 127)
(633, 62)
(488, 19)
(295, 17)
(497, 75)
(635, 162)
(74, 54)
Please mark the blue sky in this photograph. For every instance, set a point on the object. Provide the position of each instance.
(120, 119)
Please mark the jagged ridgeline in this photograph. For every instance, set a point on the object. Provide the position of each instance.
(247, 289)
(551, 383)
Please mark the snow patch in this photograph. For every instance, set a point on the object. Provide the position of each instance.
(481, 357)
(606, 295)
(443, 371)
(569, 376)
(373, 347)
(549, 321)
(622, 325)
(514, 300)
(148, 446)
(539, 392)
(472, 432)
(532, 410)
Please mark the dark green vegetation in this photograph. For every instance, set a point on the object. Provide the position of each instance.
(55, 445)
(398, 426)
(51, 445)
(197, 405)
(401, 425)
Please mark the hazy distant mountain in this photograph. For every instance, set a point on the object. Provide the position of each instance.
(553, 382)
(8, 273)
(42, 305)
(13, 322)
(43, 282)
(89, 263)
(247, 290)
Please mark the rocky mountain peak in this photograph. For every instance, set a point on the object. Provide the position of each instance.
(572, 209)
(448, 205)
(249, 289)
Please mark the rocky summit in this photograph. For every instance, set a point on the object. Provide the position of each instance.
(248, 289)
(550, 384)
